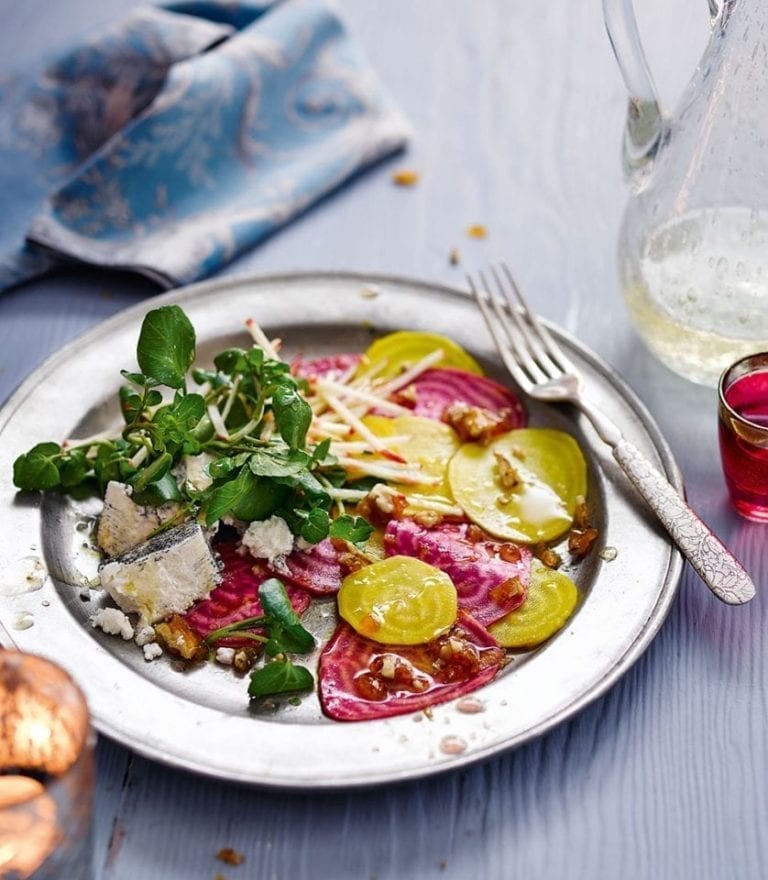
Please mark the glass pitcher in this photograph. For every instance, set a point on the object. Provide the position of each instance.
(693, 247)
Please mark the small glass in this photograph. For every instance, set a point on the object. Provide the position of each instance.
(46, 772)
(743, 416)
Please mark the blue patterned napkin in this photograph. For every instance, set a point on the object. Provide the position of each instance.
(182, 136)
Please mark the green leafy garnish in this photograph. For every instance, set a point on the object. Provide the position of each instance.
(279, 677)
(248, 416)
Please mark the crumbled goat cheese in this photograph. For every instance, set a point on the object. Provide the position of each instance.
(152, 651)
(225, 656)
(271, 539)
(144, 635)
(113, 622)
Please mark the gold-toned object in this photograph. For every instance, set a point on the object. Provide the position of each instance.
(46, 771)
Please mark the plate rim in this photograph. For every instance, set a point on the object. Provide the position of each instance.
(666, 591)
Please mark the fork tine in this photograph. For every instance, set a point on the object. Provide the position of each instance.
(517, 338)
(501, 346)
(553, 350)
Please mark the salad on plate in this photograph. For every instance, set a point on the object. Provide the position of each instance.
(399, 490)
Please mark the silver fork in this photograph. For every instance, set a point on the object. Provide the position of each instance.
(542, 370)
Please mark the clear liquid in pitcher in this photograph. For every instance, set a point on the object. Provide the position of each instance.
(697, 289)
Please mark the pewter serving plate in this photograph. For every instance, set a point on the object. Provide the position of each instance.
(200, 719)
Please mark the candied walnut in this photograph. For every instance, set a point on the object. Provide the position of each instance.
(180, 639)
(457, 658)
(581, 541)
(547, 555)
(509, 477)
(427, 518)
(475, 423)
(582, 536)
(407, 395)
(510, 553)
(370, 687)
(396, 672)
(475, 534)
(503, 592)
(381, 505)
(350, 558)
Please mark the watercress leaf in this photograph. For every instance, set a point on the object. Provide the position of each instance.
(166, 346)
(158, 492)
(354, 529)
(130, 404)
(316, 525)
(255, 358)
(321, 453)
(231, 361)
(154, 397)
(293, 415)
(189, 408)
(152, 472)
(138, 379)
(279, 677)
(74, 469)
(278, 463)
(261, 501)
(275, 602)
(38, 468)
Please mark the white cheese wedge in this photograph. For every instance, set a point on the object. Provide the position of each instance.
(163, 576)
(123, 524)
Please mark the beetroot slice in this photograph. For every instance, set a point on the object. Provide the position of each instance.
(237, 596)
(476, 568)
(317, 569)
(330, 367)
(345, 672)
(431, 393)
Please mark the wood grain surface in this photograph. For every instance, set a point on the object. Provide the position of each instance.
(517, 109)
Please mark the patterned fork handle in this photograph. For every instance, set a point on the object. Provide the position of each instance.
(719, 570)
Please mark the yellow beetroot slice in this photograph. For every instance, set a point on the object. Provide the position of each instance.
(435, 390)
(237, 596)
(361, 679)
(491, 577)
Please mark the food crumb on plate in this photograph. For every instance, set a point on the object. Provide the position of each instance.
(453, 256)
(405, 177)
(230, 856)
(608, 554)
(477, 230)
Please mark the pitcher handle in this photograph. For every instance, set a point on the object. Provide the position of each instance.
(646, 125)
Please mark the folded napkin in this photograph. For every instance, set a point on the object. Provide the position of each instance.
(182, 136)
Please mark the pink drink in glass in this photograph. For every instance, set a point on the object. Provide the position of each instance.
(744, 435)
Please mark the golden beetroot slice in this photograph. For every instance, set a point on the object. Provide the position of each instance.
(317, 569)
(361, 679)
(491, 577)
(237, 596)
(435, 390)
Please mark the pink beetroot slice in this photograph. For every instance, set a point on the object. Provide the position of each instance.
(491, 577)
(237, 596)
(333, 366)
(316, 569)
(361, 679)
(431, 393)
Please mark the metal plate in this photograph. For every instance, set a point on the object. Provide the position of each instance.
(200, 719)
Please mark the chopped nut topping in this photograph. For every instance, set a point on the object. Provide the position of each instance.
(427, 518)
(244, 659)
(180, 639)
(510, 553)
(350, 558)
(381, 505)
(582, 536)
(509, 476)
(475, 534)
(475, 423)
(503, 592)
(547, 556)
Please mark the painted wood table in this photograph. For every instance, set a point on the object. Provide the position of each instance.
(517, 110)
